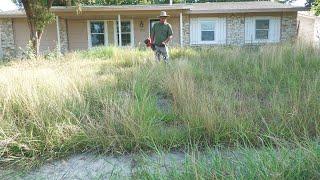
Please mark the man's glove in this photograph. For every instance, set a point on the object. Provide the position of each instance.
(149, 44)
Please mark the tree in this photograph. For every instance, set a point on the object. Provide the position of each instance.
(316, 7)
(38, 17)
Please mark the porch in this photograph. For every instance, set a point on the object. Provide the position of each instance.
(90, 29)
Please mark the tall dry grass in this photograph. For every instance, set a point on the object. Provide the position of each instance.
(107, 100)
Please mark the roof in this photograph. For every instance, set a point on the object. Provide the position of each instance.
(195, 8)
(243, 7)
(13, 13)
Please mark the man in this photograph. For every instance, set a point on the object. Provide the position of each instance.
(161, 34)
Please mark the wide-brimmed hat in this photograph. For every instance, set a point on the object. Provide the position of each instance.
(163, 14)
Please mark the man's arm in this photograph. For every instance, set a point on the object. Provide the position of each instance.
(167, 40)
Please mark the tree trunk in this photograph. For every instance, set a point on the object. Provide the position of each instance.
(35, 38)
(35, 33)
(35, 42)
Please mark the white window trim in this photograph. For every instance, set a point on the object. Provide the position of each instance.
(115, 33)
(132, 32)
(106, 43)
(269, 30)
(255, 29)
(220, 31)
(273, 32)
(215, 21)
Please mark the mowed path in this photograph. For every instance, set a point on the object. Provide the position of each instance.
(90, 166)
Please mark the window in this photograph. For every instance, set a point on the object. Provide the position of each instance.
(207, 30)
(262, 29)
(152, 22)
(97, 33)
(125, 33)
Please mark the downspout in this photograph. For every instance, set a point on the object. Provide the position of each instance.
(58, 35)
(181, 30)
(119, 29)
(1, 52)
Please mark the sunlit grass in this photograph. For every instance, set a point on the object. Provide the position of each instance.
(109, 100)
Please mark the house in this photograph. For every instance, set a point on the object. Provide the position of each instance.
(219, 23)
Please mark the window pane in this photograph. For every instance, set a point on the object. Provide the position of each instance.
(207, 26)
(207, 35)
(125, 39)
(262, 24)
(97, 39)
(262, 34)
(97, 27)
(125, 26)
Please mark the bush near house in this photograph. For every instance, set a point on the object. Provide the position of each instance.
(113, 100)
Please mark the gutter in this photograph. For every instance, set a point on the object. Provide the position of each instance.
(229, 11)
(120, 8)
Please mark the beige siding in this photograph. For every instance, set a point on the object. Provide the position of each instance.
(306, 28)
(175, 23)
(49, 38)
(140, 33)
(22, 35)
(78, 34)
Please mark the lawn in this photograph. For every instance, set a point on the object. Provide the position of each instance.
(263, 102)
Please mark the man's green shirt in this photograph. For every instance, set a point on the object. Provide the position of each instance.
(161, 32)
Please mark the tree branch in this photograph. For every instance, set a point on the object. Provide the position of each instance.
(50, 2)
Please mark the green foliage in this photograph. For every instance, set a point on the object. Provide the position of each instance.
(316, 7)
(133, 2)
(42, 15)
(39, 13)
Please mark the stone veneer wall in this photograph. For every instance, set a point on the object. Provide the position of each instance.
(7, 39)
(186, 30)
(64, 45)
(235, 29)
(288, 27)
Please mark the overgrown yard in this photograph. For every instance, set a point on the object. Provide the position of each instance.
(263, 102)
